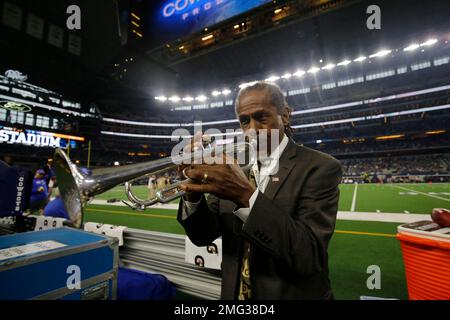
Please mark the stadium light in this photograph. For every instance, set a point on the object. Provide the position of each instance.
(344, 63)
(201, 98)
(299, 73)
(313, 70)
(174, 99)
(412, 47)
(226, 92)
(216, 93)
(429, 42)
(381, 53)
(329, 66)
(188, 99)
(435, 132)
(208, 37)
(360, 59)
(272, 78)
(286, 75)
(391, 137)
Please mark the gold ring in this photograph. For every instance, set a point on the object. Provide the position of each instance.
(205, 178)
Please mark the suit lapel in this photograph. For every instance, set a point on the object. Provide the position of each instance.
(286, 164)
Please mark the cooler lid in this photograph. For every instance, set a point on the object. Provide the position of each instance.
(425, 229)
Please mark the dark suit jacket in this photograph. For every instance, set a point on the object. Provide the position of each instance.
(289, 228)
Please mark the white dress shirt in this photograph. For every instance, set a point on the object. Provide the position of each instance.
(268, 166)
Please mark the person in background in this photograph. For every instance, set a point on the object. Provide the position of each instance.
(39, 192)
(49, 173)
(55, 208)
(161, 182)
(8, 160)
(52, 185)
(151, 187)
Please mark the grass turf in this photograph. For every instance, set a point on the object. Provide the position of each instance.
(355, 246)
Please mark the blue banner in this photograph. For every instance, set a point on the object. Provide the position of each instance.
(15, 187)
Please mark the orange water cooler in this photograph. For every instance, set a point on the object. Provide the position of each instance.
(426, 255)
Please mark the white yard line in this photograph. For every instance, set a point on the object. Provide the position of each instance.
(342, 215)
(423, 193)
(355, 191)
(382, 217)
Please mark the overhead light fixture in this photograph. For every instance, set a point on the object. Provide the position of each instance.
(174, 99)
(208, 37)
(391, 137)
(201, 98)
(277, 11)
(161, 98)
(435, 132)
(135, 16)
(188, 99)
(286, 76)
(299, 73)
(226, 92)
(313, 70)
(412, 47)
(272, 78)
(381, 53)
(236, 26)
(216, 93)
(360, 59)
(344, 63)
(181, 48)
(329, 66)
(138, 33)
(429, 42)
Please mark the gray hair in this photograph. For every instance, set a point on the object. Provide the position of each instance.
(276, 98)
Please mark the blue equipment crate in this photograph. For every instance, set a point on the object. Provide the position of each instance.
(41, 264)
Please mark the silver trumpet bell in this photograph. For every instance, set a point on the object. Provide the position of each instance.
(77, 186)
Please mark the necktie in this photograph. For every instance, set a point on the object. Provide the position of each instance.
(245, 292)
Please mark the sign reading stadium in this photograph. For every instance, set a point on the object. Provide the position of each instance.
(37, 138)
(14, 106)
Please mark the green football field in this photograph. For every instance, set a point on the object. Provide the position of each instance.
(355, 246)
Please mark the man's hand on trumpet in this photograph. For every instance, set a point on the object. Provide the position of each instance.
(226, 181)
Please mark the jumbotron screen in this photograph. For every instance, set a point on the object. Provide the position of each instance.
(172, 19)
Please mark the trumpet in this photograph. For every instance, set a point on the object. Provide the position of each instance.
(77, 187)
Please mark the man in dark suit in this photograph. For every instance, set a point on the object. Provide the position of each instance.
(278, 229)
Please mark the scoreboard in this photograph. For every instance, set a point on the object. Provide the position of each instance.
(172, 19)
